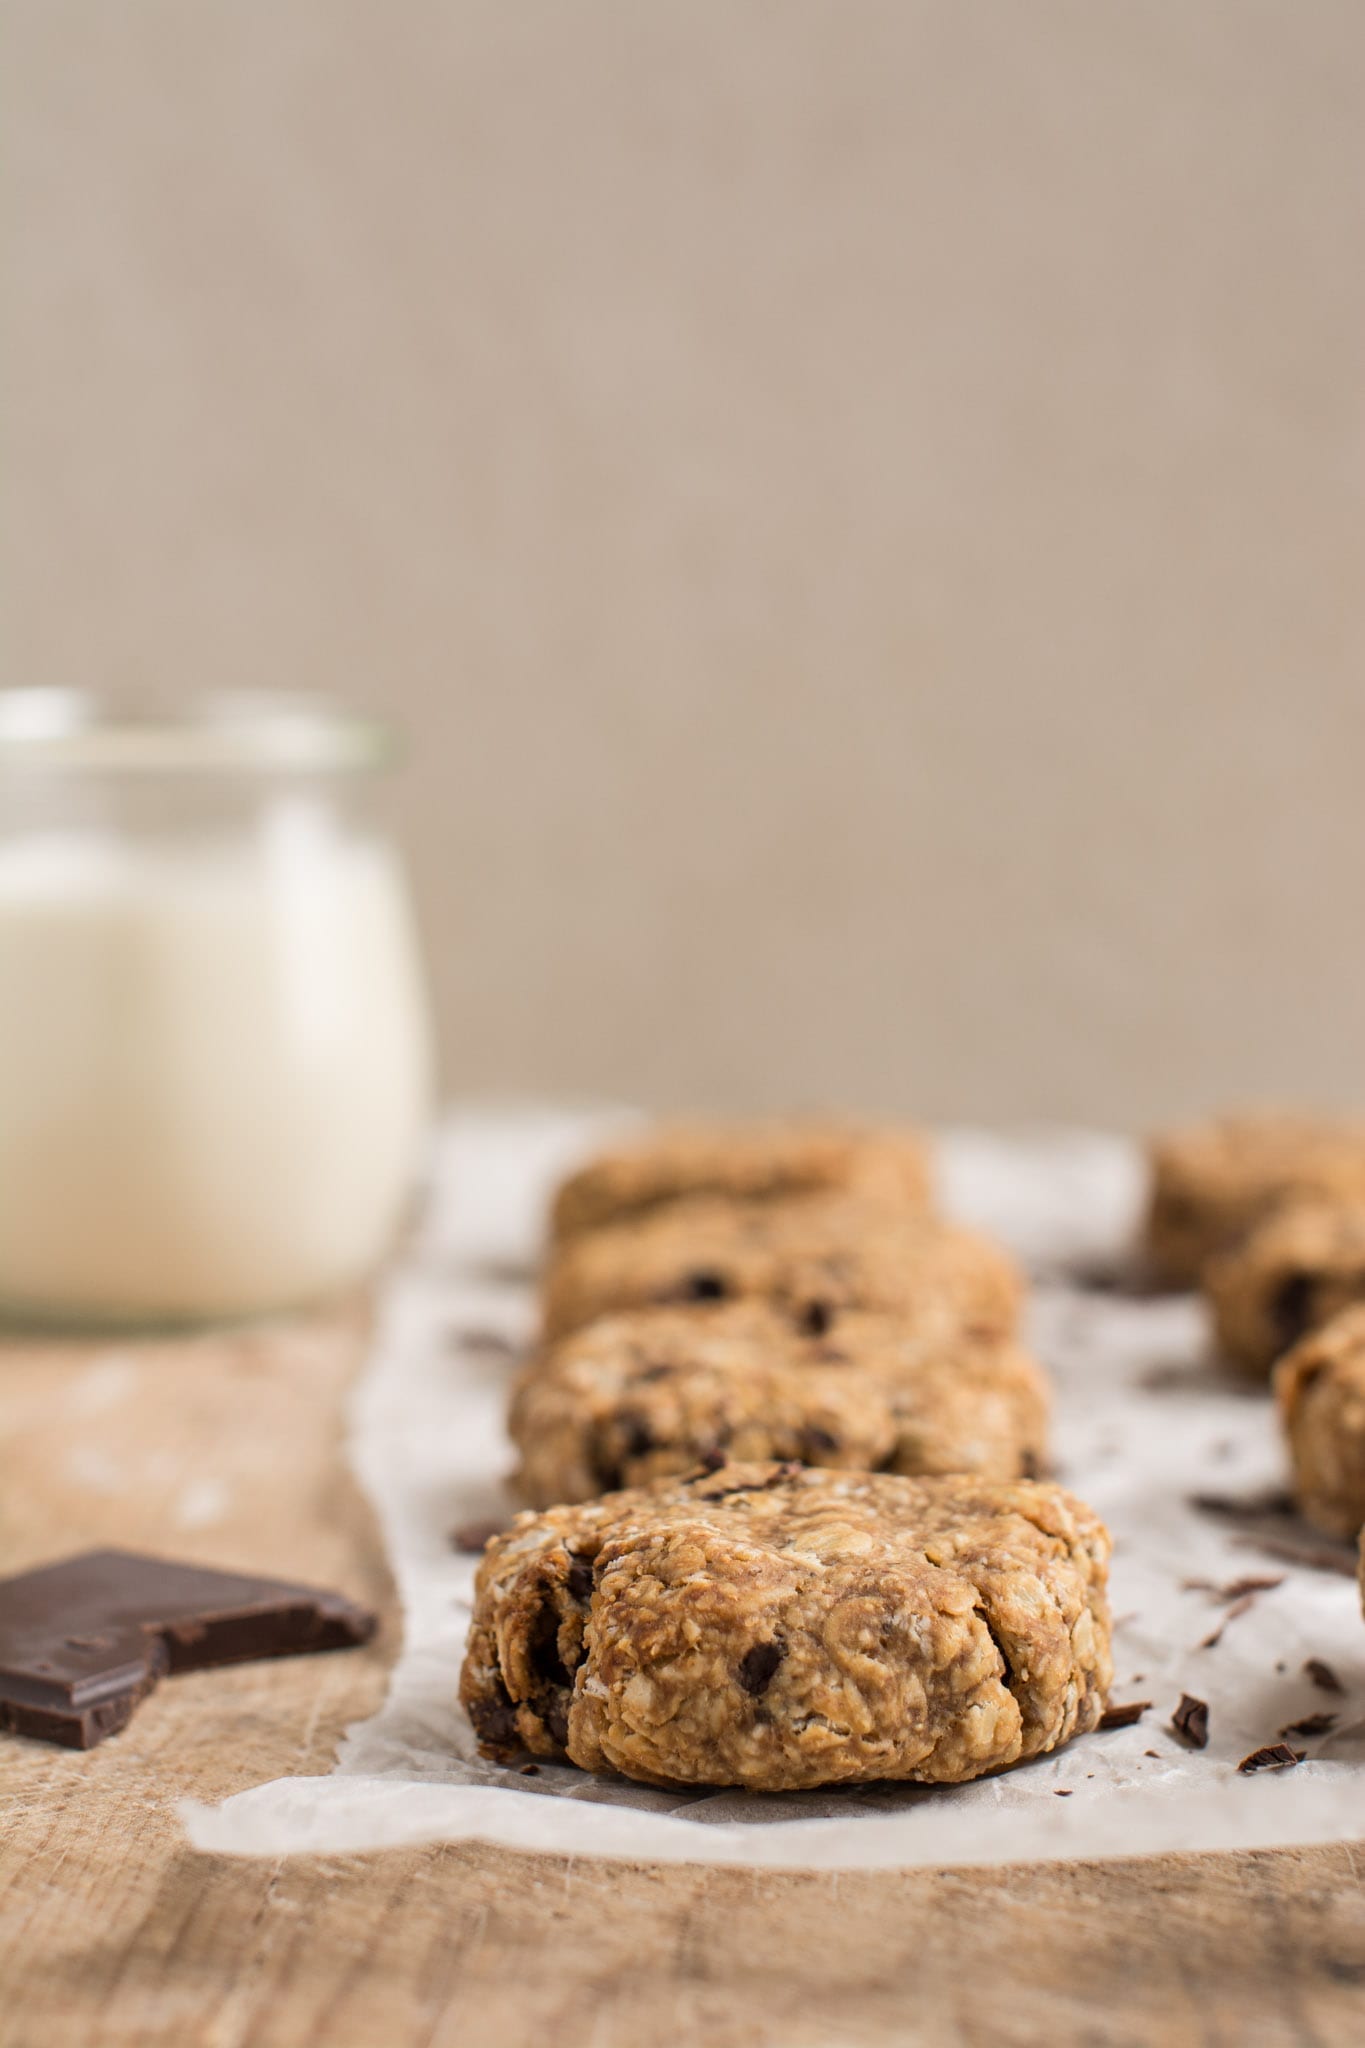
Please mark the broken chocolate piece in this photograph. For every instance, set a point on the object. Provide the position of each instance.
(1276, 1756)
(1191, 1721)
(83, 1641)
(1323, 1676)
(1124, 1716)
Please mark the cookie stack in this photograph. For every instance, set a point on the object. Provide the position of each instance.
(1267, 1215)
(786, 1447)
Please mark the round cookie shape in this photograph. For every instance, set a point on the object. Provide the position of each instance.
(1211, 1182)
(811, 1256)
(632, 1398)
(1320, 1387)
(1296, 1269)
(746, 1162)
(778, 1627)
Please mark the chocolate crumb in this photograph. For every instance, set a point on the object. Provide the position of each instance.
(1061, 1792)
(557, 1718)
(474, 1537)
(757, 1667)
(1153, 1752)
(815, 1319)
(1191, 1721)
(1323, 1676)
(579, 1580)
(530, 1770)
(1276, 1756)
(495, 1719)
(712, 1460)
(1291, 1307)
(1310, 1725)
(1124, 1716)
(705, 1286)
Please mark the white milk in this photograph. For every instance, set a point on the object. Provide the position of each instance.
(213, 1068)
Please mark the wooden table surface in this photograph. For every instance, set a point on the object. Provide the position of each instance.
(112, 1931)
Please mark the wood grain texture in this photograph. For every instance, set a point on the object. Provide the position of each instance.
(114, 1935)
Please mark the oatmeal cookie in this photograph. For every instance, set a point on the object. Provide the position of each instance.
(778, 1627)
(633, 1397)
(749, 1162)
(812, 1255)
(1294, 1270)
(1212, 1181)
(1320, 1386)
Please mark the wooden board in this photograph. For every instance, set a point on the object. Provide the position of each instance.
(227, 1449)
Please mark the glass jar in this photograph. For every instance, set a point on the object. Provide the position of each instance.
(214, 1048)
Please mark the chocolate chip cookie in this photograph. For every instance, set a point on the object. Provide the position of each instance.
(811, 1255)
(1294, 1270)
(749, 1162)
(633, 1397)
(1320, 1386)
(1212, 1182)
(777, 1627)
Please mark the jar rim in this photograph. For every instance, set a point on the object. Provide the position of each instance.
(231, 732)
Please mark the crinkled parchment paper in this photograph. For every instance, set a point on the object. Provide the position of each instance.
(1143, 1422)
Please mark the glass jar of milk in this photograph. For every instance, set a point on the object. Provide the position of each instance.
(214, 1049)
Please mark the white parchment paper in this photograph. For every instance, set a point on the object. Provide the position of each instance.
(1143, 1421)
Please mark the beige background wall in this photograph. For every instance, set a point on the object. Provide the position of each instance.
(859, 506)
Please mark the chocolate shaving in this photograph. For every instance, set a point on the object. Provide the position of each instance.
(1272, 1501)
(1234, 1613)
(1314, 1557)
(1061, 1791)
(1276, 1756)
(489, 1343)
(1190, 1721)
(1310, 1725)
(1153, 1752)
(1124, 1716)
(474, 1537)
(1127, 1275)
(529, 1770)
(1323, 1676)
(1235, 1589)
